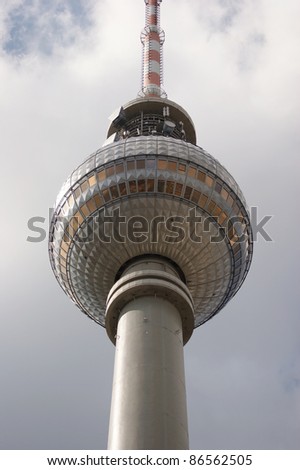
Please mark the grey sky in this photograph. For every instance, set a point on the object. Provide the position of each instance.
(64, 67)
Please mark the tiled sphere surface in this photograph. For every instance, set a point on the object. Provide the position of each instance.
(150, 195)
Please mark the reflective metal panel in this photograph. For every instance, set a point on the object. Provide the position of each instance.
(151, 195)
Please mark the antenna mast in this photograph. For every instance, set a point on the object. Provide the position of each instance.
(152, 38)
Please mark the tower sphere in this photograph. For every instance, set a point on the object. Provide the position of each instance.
(151, 191)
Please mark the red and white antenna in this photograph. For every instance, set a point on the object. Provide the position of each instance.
(152, 38)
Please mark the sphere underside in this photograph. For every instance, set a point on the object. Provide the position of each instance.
(150, 195)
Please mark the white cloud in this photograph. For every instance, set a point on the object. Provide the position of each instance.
(40, 27)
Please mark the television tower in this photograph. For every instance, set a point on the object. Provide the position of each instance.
(150, 237)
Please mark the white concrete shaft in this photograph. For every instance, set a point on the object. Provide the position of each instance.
(148, 409)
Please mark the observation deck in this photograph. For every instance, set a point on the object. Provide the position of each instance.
(150, 191)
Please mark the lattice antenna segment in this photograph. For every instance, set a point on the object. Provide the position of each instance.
(152, 38)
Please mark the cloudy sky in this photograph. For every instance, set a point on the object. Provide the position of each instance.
(64, 67)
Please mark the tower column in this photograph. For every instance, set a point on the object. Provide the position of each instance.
(148, 409)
